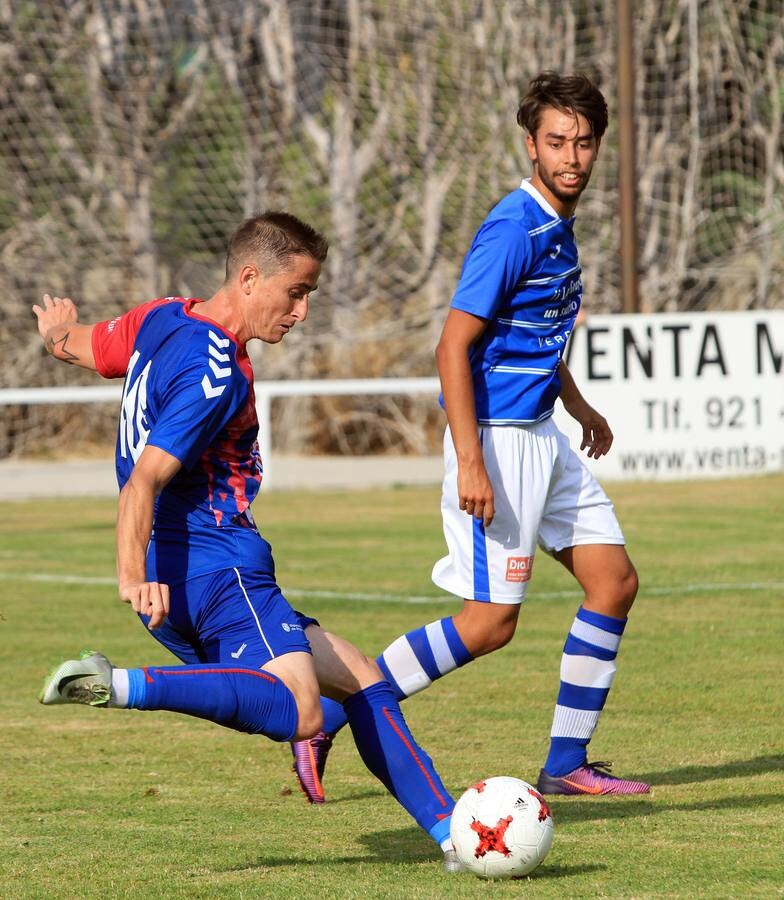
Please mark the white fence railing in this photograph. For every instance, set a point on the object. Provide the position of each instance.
(688, 395)
(266, 392)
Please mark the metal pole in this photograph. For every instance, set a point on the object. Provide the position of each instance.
(627, 159)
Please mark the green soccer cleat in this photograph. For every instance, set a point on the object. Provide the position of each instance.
(85, 680)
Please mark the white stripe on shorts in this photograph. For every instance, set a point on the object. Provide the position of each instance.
(586, 671)
(441, 652)
(574, 723)
(405, 667)
(596, 636)
(256, 618)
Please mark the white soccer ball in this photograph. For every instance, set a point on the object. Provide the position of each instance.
(501, 828)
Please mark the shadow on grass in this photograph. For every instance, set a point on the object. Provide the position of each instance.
(403, 845)
(350, 798)
(740, 768)
(586, 809)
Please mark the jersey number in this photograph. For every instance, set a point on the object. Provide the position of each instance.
(134, 430)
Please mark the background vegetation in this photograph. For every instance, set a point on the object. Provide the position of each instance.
(136, 134)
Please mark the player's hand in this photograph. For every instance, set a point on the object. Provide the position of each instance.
(148, 598)
(55, 312)
(597, 435)
(475, 491)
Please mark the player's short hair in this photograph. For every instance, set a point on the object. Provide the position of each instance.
(270, 239)
(571, 94)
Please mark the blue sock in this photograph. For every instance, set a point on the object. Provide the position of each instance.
(389, 750)
(587, 672)
(249, 700)
(334, 715)
(410, 664)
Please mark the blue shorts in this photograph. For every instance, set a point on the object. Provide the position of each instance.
(234, 615)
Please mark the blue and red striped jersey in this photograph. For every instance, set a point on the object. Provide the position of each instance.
(189, 391)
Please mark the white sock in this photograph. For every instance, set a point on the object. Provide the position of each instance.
(447, 845)
(119, 695)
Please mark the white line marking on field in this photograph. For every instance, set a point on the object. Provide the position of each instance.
(57, 578)
(653, 591)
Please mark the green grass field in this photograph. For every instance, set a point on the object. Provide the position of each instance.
(130, 804)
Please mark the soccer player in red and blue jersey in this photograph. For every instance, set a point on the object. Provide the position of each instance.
(190, 559)
(511, 480)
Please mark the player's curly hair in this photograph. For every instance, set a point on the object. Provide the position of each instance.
(571, 94)
(270, 239)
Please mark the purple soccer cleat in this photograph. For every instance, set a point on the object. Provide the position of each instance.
(590, 778)
(310, 757)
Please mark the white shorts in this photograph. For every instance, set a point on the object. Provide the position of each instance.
(543, 495)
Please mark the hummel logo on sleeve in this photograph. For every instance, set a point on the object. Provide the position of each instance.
(222, 357)
(220, 372)
(219, 342)
(211, 391)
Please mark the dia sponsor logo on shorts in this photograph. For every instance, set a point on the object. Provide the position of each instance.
(518, 568)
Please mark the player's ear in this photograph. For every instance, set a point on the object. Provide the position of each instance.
(248, 277)
(530, 146)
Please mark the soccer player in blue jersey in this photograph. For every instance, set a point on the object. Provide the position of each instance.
(511, 480)
(190, 559)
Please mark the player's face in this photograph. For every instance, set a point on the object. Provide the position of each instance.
(563, 152)
(280, 301)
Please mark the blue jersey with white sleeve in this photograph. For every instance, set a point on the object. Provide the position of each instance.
(521, 274)
(189, 391)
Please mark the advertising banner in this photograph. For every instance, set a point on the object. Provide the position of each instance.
(687, 395)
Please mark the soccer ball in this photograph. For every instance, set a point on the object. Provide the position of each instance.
(501, 828)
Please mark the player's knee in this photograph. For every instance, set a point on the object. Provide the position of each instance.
(368, 672)
(501, 635)
(355, 673)
(309, 721)
(630, 584)
(625, 591)
(487, 636)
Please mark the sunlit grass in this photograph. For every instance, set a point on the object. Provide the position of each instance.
(131, 804)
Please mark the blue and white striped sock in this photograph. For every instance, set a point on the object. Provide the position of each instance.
(410, 664)
(587, 672)
(417, 659)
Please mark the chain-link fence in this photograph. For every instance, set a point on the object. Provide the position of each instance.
(137, 134)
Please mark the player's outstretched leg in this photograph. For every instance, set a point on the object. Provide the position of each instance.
(383, 739)
(410, 664)
(587, 672)
(249, 700)
(391, 753)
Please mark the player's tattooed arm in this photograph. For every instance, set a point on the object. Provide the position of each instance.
(64, 338)
(59, 348)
